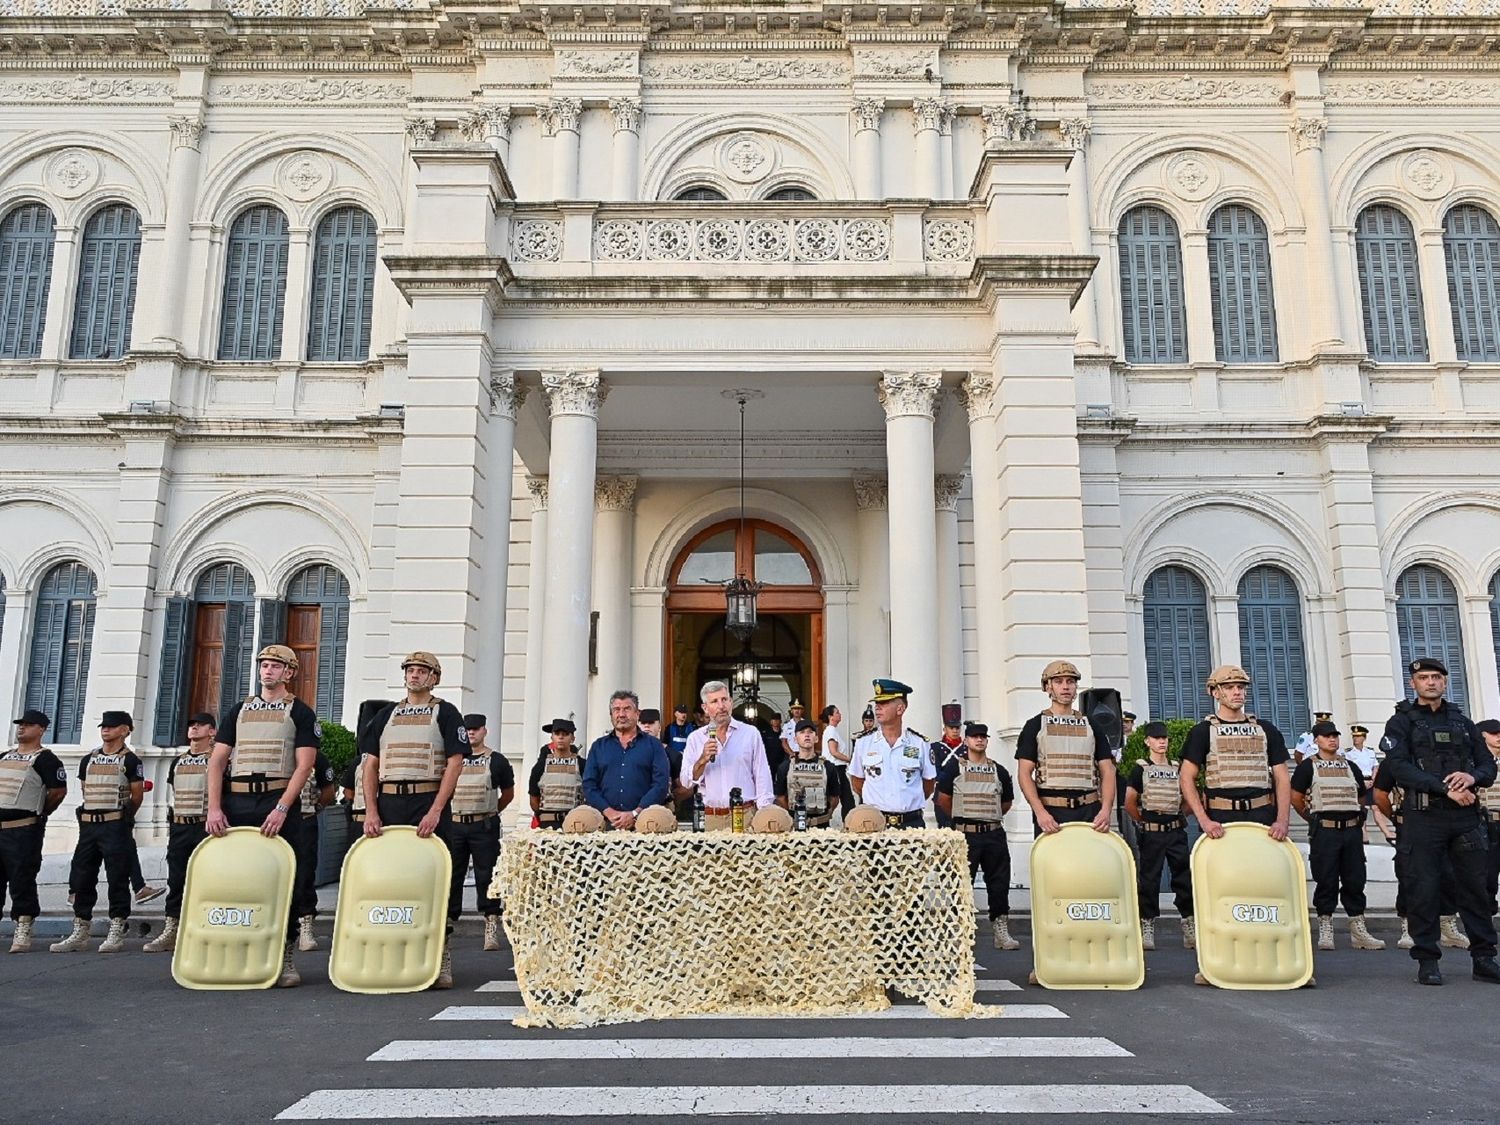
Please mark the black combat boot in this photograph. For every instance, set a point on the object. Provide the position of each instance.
(1429, 973)
(1486, 970)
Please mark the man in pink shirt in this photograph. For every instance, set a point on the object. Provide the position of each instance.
(725, 754)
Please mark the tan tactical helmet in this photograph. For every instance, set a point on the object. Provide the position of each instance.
(863, 819)
(772, 818)
(585, 818)
(656, 818)
(281, 653)
(1227, 674)
(1059, 668)
(424, 660)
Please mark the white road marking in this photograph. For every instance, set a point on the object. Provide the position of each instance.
(514, 988)
(527, 1104)
(898, 1012)
(979, 1047)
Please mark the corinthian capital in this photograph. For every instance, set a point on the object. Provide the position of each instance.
(871, 492)
(908, 394)
(421, 130)
(186, 132)
(947, 486)
(537, 486)
(561, 115)
(506, 395)
(615, 494)
(977, 393)
(574, 392)
(930, 113)
(627, 112)
(1075, 131)
(867, 113)
(1308, 132)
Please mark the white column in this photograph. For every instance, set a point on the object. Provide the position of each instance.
(1325, 316)
(536, 568)
(1484, 679)
(1195, 287)
(1226, 639)
(560, 122)
(929, 149)
(867, 114)
(1433, 267)
(945, 148)
(950, 608)
(506, 397)
(1075, 132)
(294, 308)
(624, 181)
(908, 398)
(614, 537)
(873, 642)
(60, 289)
(495, 121)
(164, 300)
(13, 634)
(979, 395)
(574, 398)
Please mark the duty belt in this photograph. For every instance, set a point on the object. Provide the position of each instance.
(980, 826)
(1090, 798)
(1241, 804)
(99, 817)
(24, 822)
(257, 784)
(188, 819)
(1162, 825)
(404, 787)
(472, 818)
(1338, 822)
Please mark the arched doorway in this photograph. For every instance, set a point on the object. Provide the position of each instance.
(786, 649)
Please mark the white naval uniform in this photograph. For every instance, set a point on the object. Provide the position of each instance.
(893, 774)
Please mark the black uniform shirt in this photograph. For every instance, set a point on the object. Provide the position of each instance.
(1027, 751)
(948, 777)
(1447, 722)
(304, 718)
(450, 721)
(1195, 750)
(47, 766)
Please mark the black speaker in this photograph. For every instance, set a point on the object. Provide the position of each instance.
(1103, 706)
(368, 709)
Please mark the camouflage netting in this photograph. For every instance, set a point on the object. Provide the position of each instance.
(611, 927)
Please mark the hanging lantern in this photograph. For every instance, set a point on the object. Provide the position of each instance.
(740, 616)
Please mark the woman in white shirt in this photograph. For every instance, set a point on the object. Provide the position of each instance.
(836, 753)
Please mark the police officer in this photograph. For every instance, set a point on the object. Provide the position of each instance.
(1306, 747)
(485, 787)
(809, 778)
(33, 782)
(788, 733)
(1388, 797)
(1153, 800)
(976, 792)
(264, 752)
(114, 783)
(556, 782)
(1440, 762)
(1489, 800)
(951, 745)
(1243, 761)
(1063, 761)
(417, 747)
(188, 778)
(317, 795)
(1326, 792)
(891, 768)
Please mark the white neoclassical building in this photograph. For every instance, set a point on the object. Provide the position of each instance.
(1152, 337)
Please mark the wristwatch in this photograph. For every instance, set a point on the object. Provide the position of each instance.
(283, 809)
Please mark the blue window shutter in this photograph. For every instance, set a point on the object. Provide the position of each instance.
(27, 237)
(1428, 624)
(1178, 651)
(325, 587)
(1239, 273)
(254, 286)
(272, 621)
(1390, 286)
(1471, 248)
(1151, 302)
(343, 287)
(1495, 614)
(61, 644)
(1272, 647)
(44, 672)
(170, 726)
(107, 267)
(2, 607)
(239, 653)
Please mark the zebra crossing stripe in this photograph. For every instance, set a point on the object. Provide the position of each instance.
(527, 1049)
(530, 1103)
(898, 1012)
(512, 987)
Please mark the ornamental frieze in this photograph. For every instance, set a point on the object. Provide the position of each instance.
(313, 91)
(748, 71)
(1188, 89)
(87, 89)
(1418, 89)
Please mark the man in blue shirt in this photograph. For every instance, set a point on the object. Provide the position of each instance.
(679, 729)
(627, 769)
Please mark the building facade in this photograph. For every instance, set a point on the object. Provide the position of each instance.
(1152, 337)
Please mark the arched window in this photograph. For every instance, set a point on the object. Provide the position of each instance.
(1471, 247)
(1179, 655)
(1239, 276)
(1272, 649)
(207, 653)
(107, 265)
(317, 630)
(1151, 304)
(1494, 614)
(1428, 624)
(343, 287)
(61, 642)
(701, 194)
(1389, 286)
(27, 234)
(254, 286)
(791, 195)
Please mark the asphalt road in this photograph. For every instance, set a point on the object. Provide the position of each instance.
(111, 1038)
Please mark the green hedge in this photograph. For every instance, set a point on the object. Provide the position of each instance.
(1135, 745)
(338, 745)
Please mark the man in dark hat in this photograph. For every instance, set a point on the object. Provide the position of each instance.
(892, 768)
(555, 786)
(485, 787)
(950, 746)
(676, 734)
(975, 792)
(1153, 800)
(1489, 800)
(187, 777)
(1127, 724)
(33, 782)
(1441, 763)
(114, 783)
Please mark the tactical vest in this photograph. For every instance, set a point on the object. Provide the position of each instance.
(20, 787)
(357, 803)
(190, 785)
(561, 784)
(976, 792)
(106, 787)
(1237, 755)
(1334, 789)
(811, 780)
(1440, 743)
(1065, 753)
(310, 791)
(411, 746)
(1489, 799)
(1161, 791)
(474, 795)
(265, 740)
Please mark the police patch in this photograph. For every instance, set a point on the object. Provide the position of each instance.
(317, 729)
(62, 775)
(463, 736)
